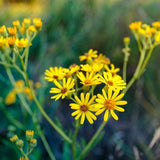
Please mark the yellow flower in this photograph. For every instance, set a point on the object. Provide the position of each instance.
(11, 41)
(16, 23)
(37, 84)
(68, 72)
(101, 59)
(157, 37)
(54, 74)
(74, 68)
(26, 22)
(94, 67)
(109, 103)
(112, 70)
(89, 80)
(33, 142)
(3, 29)
(12, 31)
(126, 40)
(89, 55)
(11, 98)
(84, 108)
(37, 22)
(19, 86)
(63, 90)
(31, 28)
(156, 24)
(21, 43)
(112, 82)
(3, 42)
(135, 25)
(29, 134)
(14, 138)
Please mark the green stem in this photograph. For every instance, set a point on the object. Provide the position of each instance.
(89, 145)
(126, 55)
(135, 76)
(11, 119)
(77, 126)
(9, 73)
(47, 147)
(146, 61)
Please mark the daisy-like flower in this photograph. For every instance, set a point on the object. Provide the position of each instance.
(112, 70)
(109, 102)
(89, 80)
(63, 90)
(74, 68)
(84, 108)
(91, 68)
(135, 25)
(54, 74)
(12, 31)
(21, 43)
(89, 55)
(114, 83)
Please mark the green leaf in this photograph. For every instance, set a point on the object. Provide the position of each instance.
(66, 152)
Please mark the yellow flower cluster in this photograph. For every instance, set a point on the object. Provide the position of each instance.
(145, 33)
(18, 36)
(98, 73)
(20, 88)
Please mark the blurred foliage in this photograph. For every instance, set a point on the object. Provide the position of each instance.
(71, 28)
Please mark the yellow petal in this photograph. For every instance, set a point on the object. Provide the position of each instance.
(119, 97)
(99, 111)
(119, 109)
(75, 112)
(82, 118)
(114, 115)
(121, 103)
(78, 115)
(89, 119)
(106, 115)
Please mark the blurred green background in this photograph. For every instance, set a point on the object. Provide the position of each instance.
(70, 28)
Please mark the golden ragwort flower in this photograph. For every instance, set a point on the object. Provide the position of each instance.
(63, 90)
(108, 102)
(84, 108)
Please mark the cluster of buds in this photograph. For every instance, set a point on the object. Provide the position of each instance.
(19, 35)
(81, 82)
(31, 144)
(21, 88)
(146, 34)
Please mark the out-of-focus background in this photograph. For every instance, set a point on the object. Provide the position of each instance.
(71, 28)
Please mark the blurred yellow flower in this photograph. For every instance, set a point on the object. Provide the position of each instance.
(108, 102)
(14, 138)
(37, 22)
(135, 25)
(11, 98)
(84, 108)
(94, 67)
(89, 55)
(21, 43)
(101, 59)
(26, 22)
(112, 70)
(3, 29)
(3, 42)
(156, 24)
(16, 23)
(12, 31)
(31, 28)
(63, 90)
(11, 41)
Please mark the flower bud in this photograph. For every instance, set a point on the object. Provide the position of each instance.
(19, 143)
(14, 138)
(29, 135)
(33, 143)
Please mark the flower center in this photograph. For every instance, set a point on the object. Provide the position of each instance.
(113, 74)
(63, 90)
(86, 54)
(110, 83)
(109, 104)
(87, 81)
(55, 77)
(84, 108)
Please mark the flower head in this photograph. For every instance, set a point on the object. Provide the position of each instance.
(101, 59)
(11, 98)
(14, 138)
(16, 23)
(37, 22)
(135, 25)
(94, 67)
(89, 80)
(11, 41)
(21, 43)
(3, 29)
(84, 108)
(115, 82)
(109, 102)
(54, 74)
(12, 31)
(89, 55)
(63, 90)
(112, 70)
